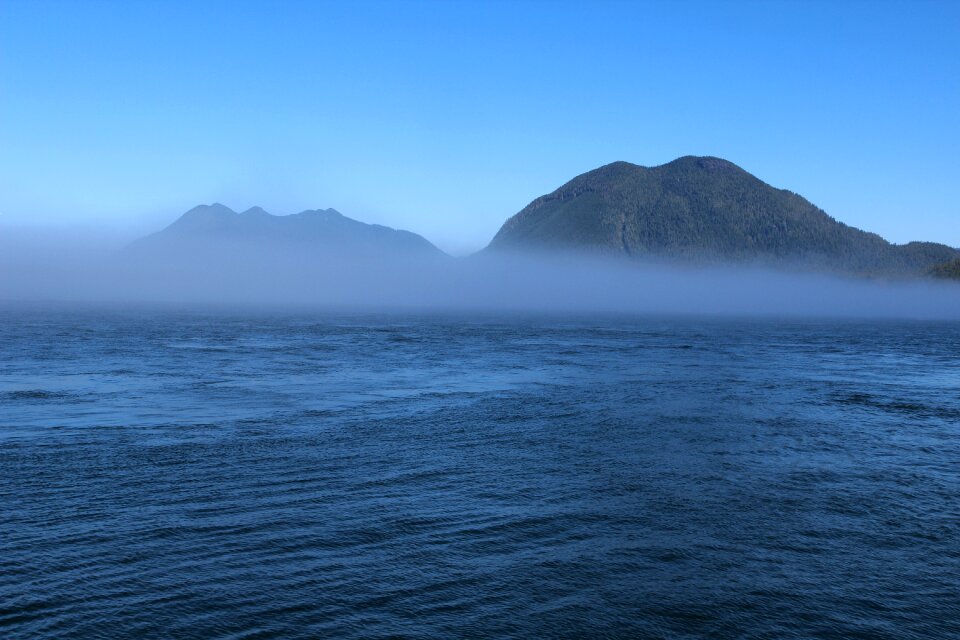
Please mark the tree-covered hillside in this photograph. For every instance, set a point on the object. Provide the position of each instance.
(949, 270)
(703, 208)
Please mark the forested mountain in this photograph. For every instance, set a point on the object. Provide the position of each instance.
(704, 209)
(949, 270)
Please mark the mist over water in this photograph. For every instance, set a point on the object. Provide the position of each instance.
(697, 378)
(89, 270)
(223, 441)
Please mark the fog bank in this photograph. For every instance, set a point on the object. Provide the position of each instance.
(248, 275)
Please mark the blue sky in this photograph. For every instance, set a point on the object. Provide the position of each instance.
(448, 117)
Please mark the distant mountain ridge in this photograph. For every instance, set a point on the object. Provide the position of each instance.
(704, 208)
(321, 230)
(700, 210)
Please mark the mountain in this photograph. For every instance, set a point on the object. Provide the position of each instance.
(949, 270)
(324, 233)
(703, 209)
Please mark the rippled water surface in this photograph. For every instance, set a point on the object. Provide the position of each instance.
(228, 475)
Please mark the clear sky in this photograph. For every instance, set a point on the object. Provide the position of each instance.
(446, 118)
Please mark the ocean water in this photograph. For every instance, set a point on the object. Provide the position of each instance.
(185, 474)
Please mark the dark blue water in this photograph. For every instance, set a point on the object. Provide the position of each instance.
(191, 475)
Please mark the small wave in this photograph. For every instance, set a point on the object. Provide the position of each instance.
(201, 347)
(907, 407)
(39, 394)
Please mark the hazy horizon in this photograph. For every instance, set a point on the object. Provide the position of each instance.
(116, 235)
(254, 275)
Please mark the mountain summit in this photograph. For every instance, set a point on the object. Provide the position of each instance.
(703, 209)
(324, 232)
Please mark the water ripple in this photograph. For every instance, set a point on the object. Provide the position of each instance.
(218, 476)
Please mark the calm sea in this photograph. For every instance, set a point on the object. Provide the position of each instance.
(184, 474)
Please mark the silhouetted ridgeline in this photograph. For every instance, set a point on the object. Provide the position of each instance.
(319, 232)
(704, 209)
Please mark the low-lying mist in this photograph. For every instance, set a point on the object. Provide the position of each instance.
(81, 270)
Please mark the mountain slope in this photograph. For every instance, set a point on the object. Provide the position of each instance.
(949, 270)
(326, 232)
(703, 208)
